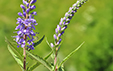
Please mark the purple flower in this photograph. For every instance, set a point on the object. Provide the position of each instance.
(33, 1)
(51, 44)
(20, 14)
(22, 6)
(26, 25)
(55, 37)
(58, 27)
(28, 10)
(59, 31)
(32, 7)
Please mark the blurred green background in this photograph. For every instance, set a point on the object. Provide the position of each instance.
(93, 23)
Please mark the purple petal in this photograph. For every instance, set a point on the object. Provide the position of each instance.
(58, 27)
(59, 48)
(55, 37)
(59, 35)
(30, 16)
(60, 40)
(64, 18)
(60, 23)
(28, 10)
(64, 23)
(32, 33)
(20, 14)
(66, 14)
(34, 13)
(24, 13)
(51, 44)
(22, 6)
(17, 38)
(23, 45)
(62, 33)
(36, 24)
(33, 7)
(19, 32)
(33, 1)
(56, 30)
(18, 27)
(33, 27)
(27, 5)
(18, 46)
(24, 2)
(57, 43)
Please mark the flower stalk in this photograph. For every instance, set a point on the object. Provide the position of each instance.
(59, 31)
(24, 63)
(25, 28)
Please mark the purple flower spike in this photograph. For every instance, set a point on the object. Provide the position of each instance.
(59, 31)
(26, 25)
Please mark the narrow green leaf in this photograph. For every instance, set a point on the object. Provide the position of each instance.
(61, 68)
(38, 63)
(15, 57)
(34, 66)
(48, 43)
(38, 42)
(68, 56)
(16, 50)
(40, 59)
(45, 58)
(52, 48)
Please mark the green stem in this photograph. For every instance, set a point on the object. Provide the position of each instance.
(55, 60)
(24, 63)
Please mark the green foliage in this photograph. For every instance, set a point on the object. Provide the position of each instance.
(38, 42)
(38, 63)
(16, 57)
(68, 56)
(40, 59)
(61, 68)
(15, 53)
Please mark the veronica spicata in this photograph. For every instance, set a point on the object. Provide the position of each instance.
(26, 23)
(59, 31)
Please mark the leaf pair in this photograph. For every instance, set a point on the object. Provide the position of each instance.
(18, 55)
(39, 60)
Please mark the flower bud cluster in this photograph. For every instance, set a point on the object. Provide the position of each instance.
(59, 31)
(26, 23)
